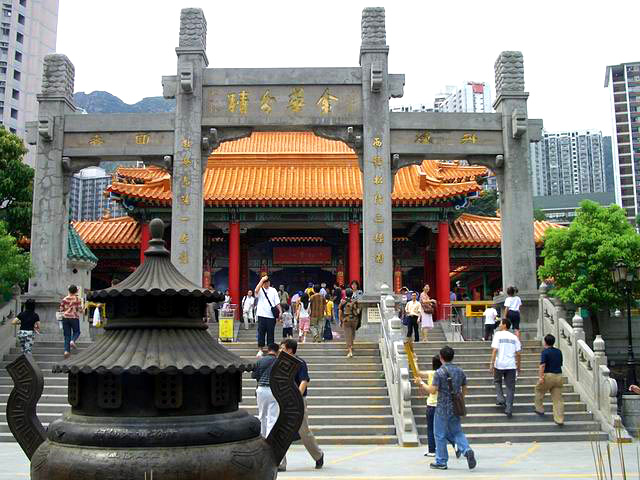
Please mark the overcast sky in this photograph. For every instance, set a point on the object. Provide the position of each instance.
(124, 47)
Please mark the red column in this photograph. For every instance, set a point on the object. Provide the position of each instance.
(234, 262)
(144, 240)
(354, 252)
(442, 268)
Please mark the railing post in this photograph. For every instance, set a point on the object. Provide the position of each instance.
(600, 359)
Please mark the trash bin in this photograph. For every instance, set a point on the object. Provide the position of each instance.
(226, 323)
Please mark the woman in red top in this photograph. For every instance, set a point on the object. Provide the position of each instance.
(71, 307)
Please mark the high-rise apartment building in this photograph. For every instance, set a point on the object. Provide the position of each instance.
(623, 82)
(87, 196)
(568, 163)
(28, 30)
(471, 97)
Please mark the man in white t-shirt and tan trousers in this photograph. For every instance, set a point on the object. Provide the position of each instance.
(505, 364)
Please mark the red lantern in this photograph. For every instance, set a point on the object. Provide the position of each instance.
(397, 278)
(340, 273)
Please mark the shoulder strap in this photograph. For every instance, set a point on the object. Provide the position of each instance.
(267, 295)
(449, 380)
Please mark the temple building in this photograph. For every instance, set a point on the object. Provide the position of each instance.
(288, 204)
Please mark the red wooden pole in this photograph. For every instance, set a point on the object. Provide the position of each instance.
(442, 268)
(144, 240)
(354, 252)
(234, 262)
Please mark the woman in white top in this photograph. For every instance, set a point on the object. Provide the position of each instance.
(248, 302)
(512, 309)
(428, 307)
(414, 312)
(302, 315)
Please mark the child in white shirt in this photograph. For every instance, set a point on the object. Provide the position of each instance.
(490, 316)
(287, 322)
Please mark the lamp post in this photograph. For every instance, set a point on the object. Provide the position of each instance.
(625, 277)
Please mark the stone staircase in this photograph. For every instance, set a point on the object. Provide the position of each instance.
(348, 398)
(485, 422)
(54, 396)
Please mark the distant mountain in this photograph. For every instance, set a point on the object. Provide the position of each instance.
(104, 102)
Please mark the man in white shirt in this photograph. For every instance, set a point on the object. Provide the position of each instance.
(505, 363)
(490, 315)
(267, 297)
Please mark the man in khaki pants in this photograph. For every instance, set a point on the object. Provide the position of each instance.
(550, 379)
(302, 380)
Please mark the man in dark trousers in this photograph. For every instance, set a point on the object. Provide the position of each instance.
(267, 404)
(302, 380)
(266, 299)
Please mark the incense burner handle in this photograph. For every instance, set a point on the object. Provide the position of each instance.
(289, 400)
(28, 384)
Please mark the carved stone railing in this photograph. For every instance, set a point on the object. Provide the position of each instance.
(397, 372)
(8, 332)
(585, 368)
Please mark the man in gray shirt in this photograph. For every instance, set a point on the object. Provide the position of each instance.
(267, 405)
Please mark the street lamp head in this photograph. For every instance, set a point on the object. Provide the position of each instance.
(619, 272)
(617, 313)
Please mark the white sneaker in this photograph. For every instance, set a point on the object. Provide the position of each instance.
(429, 454)
(259, 354)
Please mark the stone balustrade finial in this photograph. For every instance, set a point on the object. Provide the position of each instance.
(193, 28)
(577, 321)
(58, 76)
(509, 69)
(373, 26)
(598, 345)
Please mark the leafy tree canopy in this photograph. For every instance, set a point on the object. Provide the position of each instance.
(486, 204)
(579, 258)
(15, 265)
(16, 185)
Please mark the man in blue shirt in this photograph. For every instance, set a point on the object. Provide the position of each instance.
(550, 380)
(445, 423)
(302, 380)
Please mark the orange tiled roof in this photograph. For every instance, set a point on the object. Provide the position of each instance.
(114, 233)
(478, 231)
(140, 175)
(301, 169)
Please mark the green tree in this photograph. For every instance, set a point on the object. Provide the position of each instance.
(486, 204)
(579, 258)
(15, 265)
(16, 185)
(539, 215)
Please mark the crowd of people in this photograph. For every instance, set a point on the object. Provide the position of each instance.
(309, 313)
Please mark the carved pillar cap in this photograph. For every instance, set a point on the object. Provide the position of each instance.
(598, 344)
(509, 70)
(373, 27)
(58, 76)
(577, 321)
(193, 28)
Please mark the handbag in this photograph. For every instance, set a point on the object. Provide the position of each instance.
(457, 399)
(428, 308)
(275, 311)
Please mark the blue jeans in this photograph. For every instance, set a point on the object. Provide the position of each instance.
(448, 428)
(336, 308)
(71, 331)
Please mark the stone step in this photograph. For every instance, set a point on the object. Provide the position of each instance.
(335, 345)
(342, 430)
(489, 389)
(574, 405)
(499, 417)
(326, 400)
(481, 363)
(559, 435)
(356, 440)
(509, 426)
(331, 383)
(328, 391)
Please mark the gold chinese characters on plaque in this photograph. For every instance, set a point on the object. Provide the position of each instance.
(185, 199)
(184, 238)
(296, 100)
(378, 238)
(378, 199)
(377, 142)
(186, 160)
(469, 138)
(379, 257)
(378, 218)
(186, 143)
(424, 138)
(377, 160)
(186, 181)
(266, 102)
(183, 258)
(96, 140)
(324, 102)
(377, 180)
(142, 138)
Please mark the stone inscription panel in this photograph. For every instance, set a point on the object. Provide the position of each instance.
(446, 137)
(118, 143)
(282, 105)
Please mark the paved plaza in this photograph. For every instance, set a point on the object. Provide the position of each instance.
(495, 462)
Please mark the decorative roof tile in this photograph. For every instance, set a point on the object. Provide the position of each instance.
(301, 169)
(114, 233)
(77, 249)
(475, 231)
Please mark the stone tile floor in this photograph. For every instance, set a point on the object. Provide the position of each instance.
(495, 462)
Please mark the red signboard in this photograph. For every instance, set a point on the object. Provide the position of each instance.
(301, 255)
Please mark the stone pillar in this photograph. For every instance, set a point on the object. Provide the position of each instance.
(516, 200)
(234, 262)
(49, 227)
(354, 252)
(376, 175)
(442, 268)
(187, 208)
(514, 184)
(144, 239)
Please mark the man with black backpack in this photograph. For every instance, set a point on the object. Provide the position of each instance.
(450, 383)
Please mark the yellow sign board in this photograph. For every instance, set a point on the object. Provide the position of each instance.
(226, 329)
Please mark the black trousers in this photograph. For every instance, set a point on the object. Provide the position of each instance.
(266, 328)
(413, 325)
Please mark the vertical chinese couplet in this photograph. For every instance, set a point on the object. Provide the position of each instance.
(378, 199)
(185, 194)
